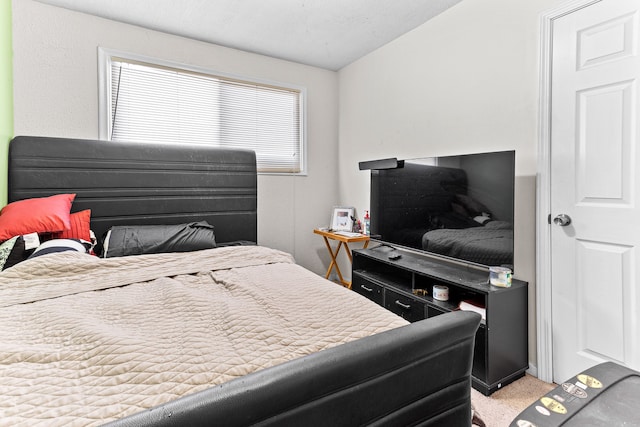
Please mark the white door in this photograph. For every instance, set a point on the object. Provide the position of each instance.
(595, 182)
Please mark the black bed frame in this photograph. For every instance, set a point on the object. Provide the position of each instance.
(419, 374)
(415, 375)
(141, 183)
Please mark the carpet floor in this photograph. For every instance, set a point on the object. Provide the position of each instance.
(499, 409)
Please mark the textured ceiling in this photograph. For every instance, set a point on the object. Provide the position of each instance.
(324, 33)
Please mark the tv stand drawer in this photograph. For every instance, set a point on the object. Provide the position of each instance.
(367, 288)
(404, 306)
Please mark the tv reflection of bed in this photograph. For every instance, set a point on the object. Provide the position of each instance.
(489, 244)
(462, 208)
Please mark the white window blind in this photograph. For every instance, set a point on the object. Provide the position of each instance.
(154, 103)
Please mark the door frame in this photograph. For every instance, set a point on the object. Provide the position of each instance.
(543, 190)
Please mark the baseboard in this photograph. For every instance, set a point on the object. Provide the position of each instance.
(533, 370)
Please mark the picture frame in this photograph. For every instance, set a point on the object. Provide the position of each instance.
(341, 218)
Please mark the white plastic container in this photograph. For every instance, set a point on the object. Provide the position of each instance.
(440, 292)
(500, 276)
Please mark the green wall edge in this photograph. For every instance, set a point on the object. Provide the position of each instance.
(6, 93)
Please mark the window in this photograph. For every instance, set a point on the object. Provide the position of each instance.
(142, 100)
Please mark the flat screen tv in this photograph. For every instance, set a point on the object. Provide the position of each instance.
(459, 207)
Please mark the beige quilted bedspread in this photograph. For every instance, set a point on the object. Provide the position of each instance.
(86, 340)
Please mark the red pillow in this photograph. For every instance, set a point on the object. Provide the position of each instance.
(80, 227)
(41, 215)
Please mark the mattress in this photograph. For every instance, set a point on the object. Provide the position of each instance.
(85, 340)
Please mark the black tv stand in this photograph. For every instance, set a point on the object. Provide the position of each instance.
(404, 285)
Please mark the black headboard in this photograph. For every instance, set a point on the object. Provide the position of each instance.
(141, 183)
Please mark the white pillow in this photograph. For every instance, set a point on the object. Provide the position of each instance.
(59, 245)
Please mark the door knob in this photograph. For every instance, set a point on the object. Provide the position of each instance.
(562, 220)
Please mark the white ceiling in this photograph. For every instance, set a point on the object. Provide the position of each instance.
(324, 33)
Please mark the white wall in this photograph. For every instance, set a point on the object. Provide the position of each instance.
(466, 81)
(56, 94)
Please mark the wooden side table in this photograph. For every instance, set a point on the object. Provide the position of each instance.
(342, 241)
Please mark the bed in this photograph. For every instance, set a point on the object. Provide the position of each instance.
(235, 334)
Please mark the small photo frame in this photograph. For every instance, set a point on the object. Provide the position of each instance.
(341, 218)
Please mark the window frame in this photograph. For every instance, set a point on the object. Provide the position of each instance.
(106, 56)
